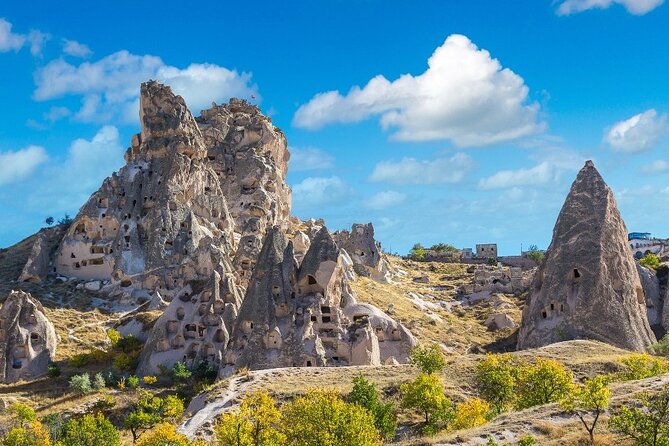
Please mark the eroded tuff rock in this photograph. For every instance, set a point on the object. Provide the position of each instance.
(651, 290)
(364, 250)
(250, 158)
(587, 286)
(39, 261)
(27, 338)
(308, 315)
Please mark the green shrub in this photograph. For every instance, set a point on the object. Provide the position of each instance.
(133, 381)
(53, 371)
(22, 413)
(426, 395)
(496, 381)
(180, 372)
(364, 394)
(647, 425)
(429, 358)
(90, 430)
(662, 347)
(81, 383)
(99, 382)
(545, 381)
(150, 380)
(527, 440)
(641, 366)
(417, 253)
(650, 261)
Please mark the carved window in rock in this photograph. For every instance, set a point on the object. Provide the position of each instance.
(247, 327)
(181, 313)
(219, 335)
(35, 338)
(552, 309)
(396, 334)
(219, 307)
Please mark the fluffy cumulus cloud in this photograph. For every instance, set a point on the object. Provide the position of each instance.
(413, 171)
(11, 41)
(309, 158)
(637, 134)
(636, 7)
(109, 87)
(464, 96)
(75, 49)
(656, 167)
(318, 191)
(16, 166)
(386, 199)
(542, 173)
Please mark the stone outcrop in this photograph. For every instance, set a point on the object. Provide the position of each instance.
(39, 263)
(587, 286)
(651, 290)
(493, 279)
(27, 338)
(364, 250)
(308, 315)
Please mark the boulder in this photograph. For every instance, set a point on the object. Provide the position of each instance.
(587, 286)
(499, 321)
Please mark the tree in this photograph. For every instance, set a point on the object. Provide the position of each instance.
(417, 252)
(471, 413)
(22, 413)
(647, 425)
(180, 372)
(545, 381)
(164, 434)
(81, 383)
(256, 423)
(66, 220)
(90, 430)
(429, 358)
(650, 261)
(443, 247)
(49, 220)
(364, 394)
(322, 418)
(32, 433)
(151, 410)
(592, 397)
(426, 395)
(642, 365)
(496, 381)
(534, 254)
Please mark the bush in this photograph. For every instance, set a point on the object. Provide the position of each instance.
(22, 413)
(54, 423)
(429, 359)
(99, 382)
(114, 337)
(641, 366)
(32, 433)
(133, 382)
(650, 261)
(364, 394)
(590, 398)
(322, 418)
(417, 253)
(164, 434)
(126, 362)
(150, 380)
(81, 383)
(257, 422)
(545, 381)
(105, 403)
(90, 430)
(496, 381)
(662, 347)
(53, 371)
(443, 247)
(180, 372)
(79, 360)
(527, 440)
(151, 410)
(470, 413)
(426, 395)
(533, 253)
(648, 425)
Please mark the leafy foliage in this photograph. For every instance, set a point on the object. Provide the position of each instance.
(81, 383)
(90, 430)
(417, 253)
(443, 247)
(496, 381)
(49, 220)
(99, 382)
(256, 423)
(470, 413)
(364, 394)
(545, 381)
(164, 434)
(650, 261)
(429, 358)
(322, 418)
(647, 425)
(180, 372)
(426, 395)
(151, 410)
(22, 413)
(641, 366)
(534, 254)
(29, 434)
(662, 347)
(592, 397)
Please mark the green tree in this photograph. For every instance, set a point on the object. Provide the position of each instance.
(151, 410)
(81, 383)
(256, 423)
(647, 425)
(426, 395)
(592, 397)
(90, 430)
(32, 433)
(534, 254)
(66, 220)
(22, 413)
(471, 413)
(545, 381)
(49, 220)
(496, 382)
(650, 261)
(180, 372)
(429, 358)
(641, 366)
(364, 394)
(164, 434)
(443, 247)
(54, 423)
(322, 418)
(417, 252)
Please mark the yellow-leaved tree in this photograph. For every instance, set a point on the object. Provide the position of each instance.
(256, 423)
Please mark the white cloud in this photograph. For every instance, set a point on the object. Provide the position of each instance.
(386, 199)
(637, 134)
(109, 87)
(656, 167)
(413, 171)
(37, 40)
(636, 7)
(75, 49)
(542, 173)
(309, 158)
(16, 166)
(464, 96)
(56, 113)
(10, 41)
(318, 191)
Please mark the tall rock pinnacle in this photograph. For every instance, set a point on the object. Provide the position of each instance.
(587, 286)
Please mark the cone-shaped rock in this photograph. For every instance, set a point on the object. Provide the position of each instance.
(587, 286)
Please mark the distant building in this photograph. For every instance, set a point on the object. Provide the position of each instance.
(638, 236)
(487, 251)
(642, 243)
(467, 253)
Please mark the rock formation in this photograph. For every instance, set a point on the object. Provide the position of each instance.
(587, 286)
(651, 290)
(364, 250)
(27, 338)
(39, 261)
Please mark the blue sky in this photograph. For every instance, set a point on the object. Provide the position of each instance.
(439, 121)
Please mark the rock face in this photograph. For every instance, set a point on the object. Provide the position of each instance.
(365, 252)
(308, 315)
(27, 338)
(38, 265)
(587, 286)
(651, 289)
